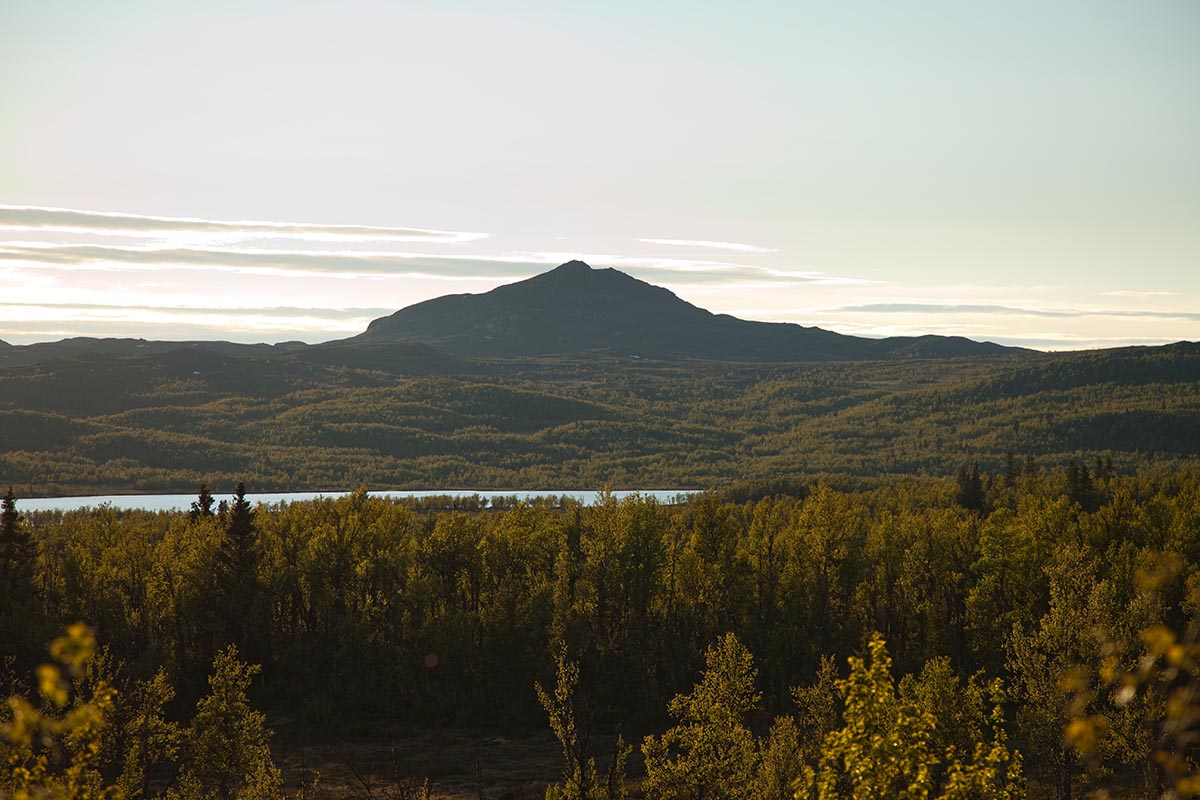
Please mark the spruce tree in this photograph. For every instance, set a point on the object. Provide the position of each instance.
(202, 506)
(970, 488)
(237, 561)
(1011, 470)
(20, 611)
(15, 545)
(1079, 486)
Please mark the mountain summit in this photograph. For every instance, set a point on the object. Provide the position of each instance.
(574, 308)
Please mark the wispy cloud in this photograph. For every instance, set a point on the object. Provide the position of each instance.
(673, 271)
(21, 309)
(358, 263)
(734, 247)
(970, 308)
(84, 272)
(65, 220)
(333, 263)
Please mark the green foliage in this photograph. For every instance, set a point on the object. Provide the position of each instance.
(580, 781)
(50, 748)
(1045, 660)
(150, 738)
(1139, 701)
(816, 709)
(996, 771)
(440, 613)
(959, 707)
(227, 742)
(709, 753)
(780, 761)
(884, 749)
(888, 745)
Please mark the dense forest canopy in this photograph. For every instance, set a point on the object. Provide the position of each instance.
(1002, 629)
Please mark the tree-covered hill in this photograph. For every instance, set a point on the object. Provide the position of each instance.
(166, 421)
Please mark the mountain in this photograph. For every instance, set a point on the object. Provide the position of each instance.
(92, 347)
(571, 309)
(126, 355)
(575, 308)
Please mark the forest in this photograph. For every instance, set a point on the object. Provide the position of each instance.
(1028, 631)
(167, 421)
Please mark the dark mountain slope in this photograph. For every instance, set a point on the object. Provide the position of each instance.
(103, 356)
(574, 309)
(88, 346)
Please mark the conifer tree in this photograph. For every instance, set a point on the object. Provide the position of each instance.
(1079, 485)
(15, 544)
(1011, 470)
(238, 572)
(19, 606)
(970, 487)
(202, 506)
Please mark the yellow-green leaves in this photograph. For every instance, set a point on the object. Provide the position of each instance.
(52, 752)
(710, 752)
(580, 781)
(887, 747)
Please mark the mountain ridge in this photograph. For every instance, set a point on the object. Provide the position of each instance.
(569, 311)
(575, 308)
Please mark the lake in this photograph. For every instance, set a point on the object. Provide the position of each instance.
(181, 502)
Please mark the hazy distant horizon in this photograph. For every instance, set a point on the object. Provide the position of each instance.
(366, 315)
(1023, 173)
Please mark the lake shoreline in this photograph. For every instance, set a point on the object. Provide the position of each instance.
(175, 501)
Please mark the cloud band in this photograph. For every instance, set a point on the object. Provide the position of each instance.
(38, 218)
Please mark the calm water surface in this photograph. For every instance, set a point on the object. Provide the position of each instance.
(181, 502)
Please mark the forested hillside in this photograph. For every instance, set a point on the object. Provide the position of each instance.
(412, 418)
(970, 625)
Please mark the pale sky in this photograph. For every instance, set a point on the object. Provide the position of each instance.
(1020, 172)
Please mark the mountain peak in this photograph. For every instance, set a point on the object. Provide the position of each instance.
(575, 274)
(575, 308)
(574, 265)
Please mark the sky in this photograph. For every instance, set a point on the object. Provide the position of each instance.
(1020, 172)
